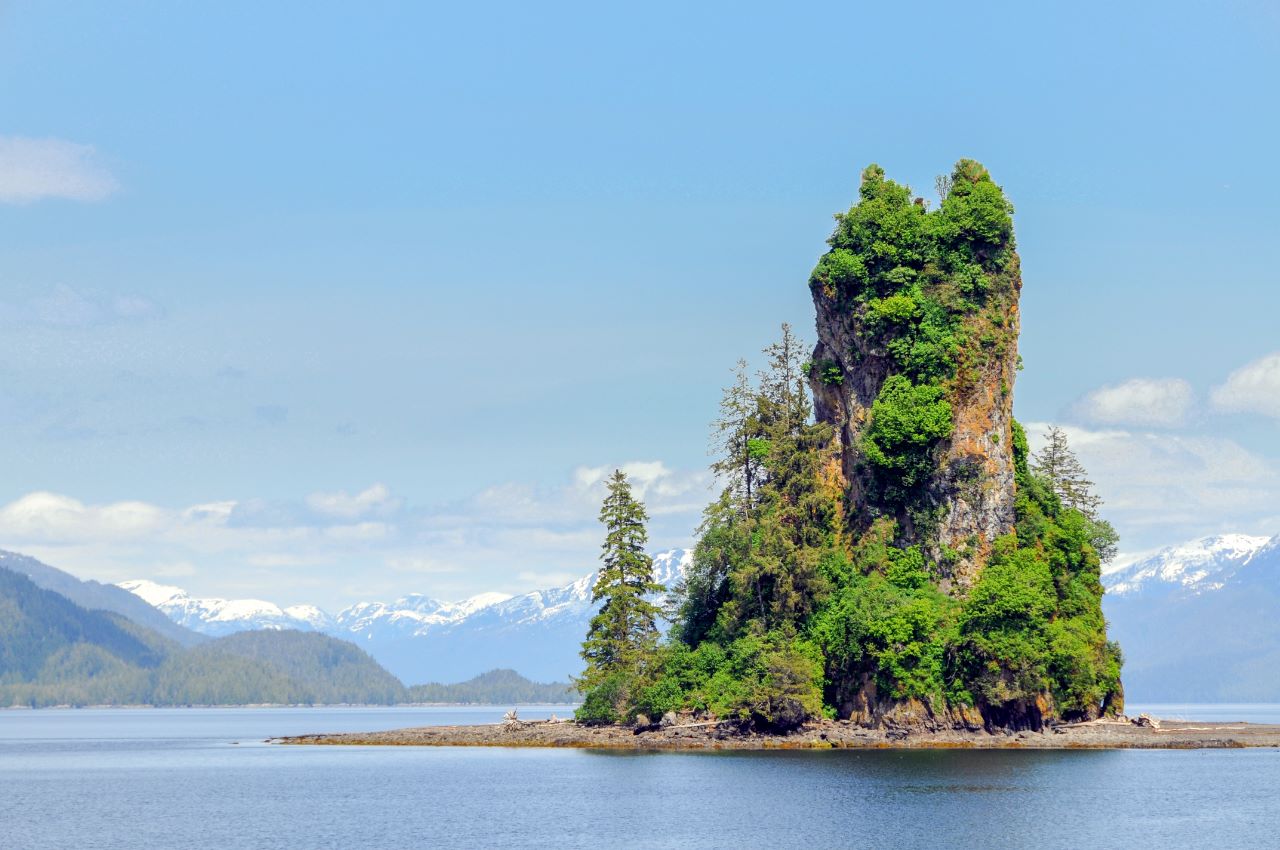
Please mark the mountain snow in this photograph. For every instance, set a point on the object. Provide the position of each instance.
(1196, 622)
(224, 616)
(396, 633)
(1199, 566)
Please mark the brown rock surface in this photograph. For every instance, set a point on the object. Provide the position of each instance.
(974, 484)
(1099, 734)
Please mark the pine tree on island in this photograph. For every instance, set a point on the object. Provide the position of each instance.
(1057, 465)
(623, 635)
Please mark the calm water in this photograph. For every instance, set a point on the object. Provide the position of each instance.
(201, 778)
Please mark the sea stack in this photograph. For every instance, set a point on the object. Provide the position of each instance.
(929, 298)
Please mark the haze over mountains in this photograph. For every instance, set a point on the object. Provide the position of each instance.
(93, 595)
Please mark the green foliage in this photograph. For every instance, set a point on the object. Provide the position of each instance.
(334, 671)
(772, 680)
(911, 276)
(1033, 623)
(204, 677)
(604, 701)
(37, 624)
(907, 421)
(891, 627)
(975, 220)
(782, 617)
(623, 636)
(827, 371)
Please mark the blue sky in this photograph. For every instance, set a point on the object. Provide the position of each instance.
(319, 302)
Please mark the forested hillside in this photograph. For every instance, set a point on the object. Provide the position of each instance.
(54, 652)
(334, 671)
(496, 687)
(97, 596)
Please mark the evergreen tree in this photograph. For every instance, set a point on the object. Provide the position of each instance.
(1060, 467)
(738, 437)
(1065, 476)
(783, 393)
(624, 633)
(756, 563)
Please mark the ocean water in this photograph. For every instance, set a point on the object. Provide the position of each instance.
(203, 778)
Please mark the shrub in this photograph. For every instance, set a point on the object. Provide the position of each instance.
(605, 703)
(907, 420)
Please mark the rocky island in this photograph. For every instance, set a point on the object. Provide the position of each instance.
(1106, 733)
(888, 564)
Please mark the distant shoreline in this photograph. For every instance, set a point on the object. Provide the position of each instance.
(503, 705)
(1103, 734)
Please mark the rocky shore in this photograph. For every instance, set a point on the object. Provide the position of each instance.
(1118, 733)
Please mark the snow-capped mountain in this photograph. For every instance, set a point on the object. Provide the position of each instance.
(414, 614)
(218, 617)
(1197, 622)
(1198, 566)
(423, 639)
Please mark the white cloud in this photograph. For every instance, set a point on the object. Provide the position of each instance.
(372, 500)
(1253, 388)
(1161, 488)
(36, 169)
(1160, 402)
(335, 548)
(47, 517)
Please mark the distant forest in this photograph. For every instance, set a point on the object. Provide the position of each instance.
(497, 687)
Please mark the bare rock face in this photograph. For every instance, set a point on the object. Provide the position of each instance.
(968, 499)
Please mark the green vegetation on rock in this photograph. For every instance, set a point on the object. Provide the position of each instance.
(901, 558)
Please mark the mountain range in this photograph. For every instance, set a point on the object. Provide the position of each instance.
(94, 596)
(83, 643)
(1197, 622)
(419, 638)
(55, 652)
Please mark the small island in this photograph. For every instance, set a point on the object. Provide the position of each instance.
(887, 564)
(689, 734)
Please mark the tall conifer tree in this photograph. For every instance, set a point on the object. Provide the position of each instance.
(1059, 467)
(624, 633)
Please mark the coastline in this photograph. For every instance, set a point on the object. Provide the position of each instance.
(826, 734)
(257, 705)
